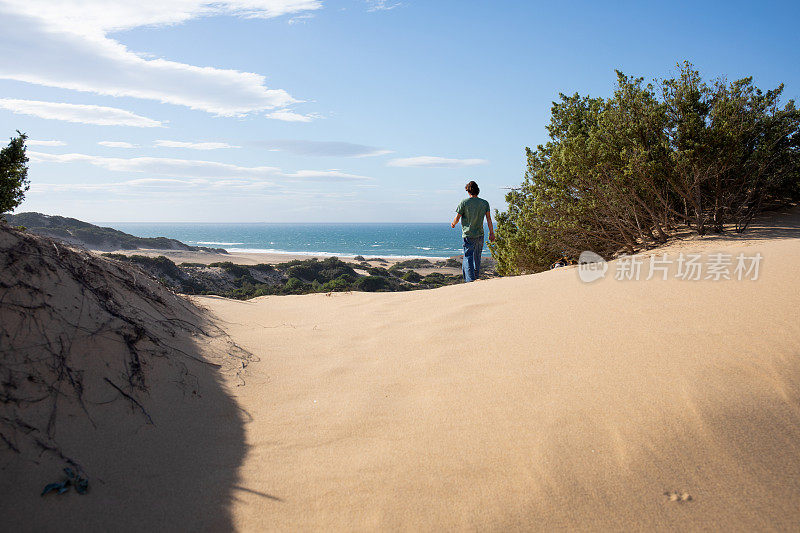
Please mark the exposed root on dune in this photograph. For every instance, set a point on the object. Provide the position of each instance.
(78, 331)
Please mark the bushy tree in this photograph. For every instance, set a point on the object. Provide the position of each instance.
(623, 173)
(13, 174)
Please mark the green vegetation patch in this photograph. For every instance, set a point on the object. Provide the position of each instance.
(291, 277)
(378, 271)
(162, 265)
(373, 284)
(412, 277)
(320, 271)
(237, 271)
(630, 171)
(413, 263)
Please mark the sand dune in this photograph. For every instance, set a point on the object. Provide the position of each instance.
(106, 372)
(528, 403)
(535, 402)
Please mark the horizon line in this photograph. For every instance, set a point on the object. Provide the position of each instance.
(257, 222)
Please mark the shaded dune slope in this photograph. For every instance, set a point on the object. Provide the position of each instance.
(105, 371)
(531, 403)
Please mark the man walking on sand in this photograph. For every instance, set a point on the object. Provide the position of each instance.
(471, 212)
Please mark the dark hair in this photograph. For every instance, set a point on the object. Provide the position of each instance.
(472, 188)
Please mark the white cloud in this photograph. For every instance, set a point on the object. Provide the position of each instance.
(290, 116)
(301, 19)
(117, 144)
(159, 165)
(65, 44)
(194, 146)
(83, 114)
(322, 148)
(327, 175)
(119, 186)
(439, 162)
(382, 5)
(33, 142)
(190, 168)
(376, 153)
(90, 16)
(188, 188)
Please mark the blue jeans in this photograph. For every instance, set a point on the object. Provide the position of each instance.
(473, 247)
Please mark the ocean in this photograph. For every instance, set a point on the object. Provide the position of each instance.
(369, 240)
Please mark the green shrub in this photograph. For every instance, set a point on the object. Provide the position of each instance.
(412, 276)
(414, 263)
(295, 286)
(378, 271)
(372, 284)
(339, 284)
(629, 171)
(157, 266)
(237, 271)
(304, 272)
(13, 173)
(321, 271)
(437, 279)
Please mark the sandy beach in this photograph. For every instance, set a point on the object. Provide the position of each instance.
(526, 403)
(243, 258)
(529, 403)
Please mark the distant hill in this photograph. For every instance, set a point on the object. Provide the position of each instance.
(77, 232)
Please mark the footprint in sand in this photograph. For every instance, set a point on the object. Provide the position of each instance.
(678, 496)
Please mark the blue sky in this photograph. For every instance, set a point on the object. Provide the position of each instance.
(324, 111)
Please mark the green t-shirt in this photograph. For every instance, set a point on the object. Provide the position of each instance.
(472, 211)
